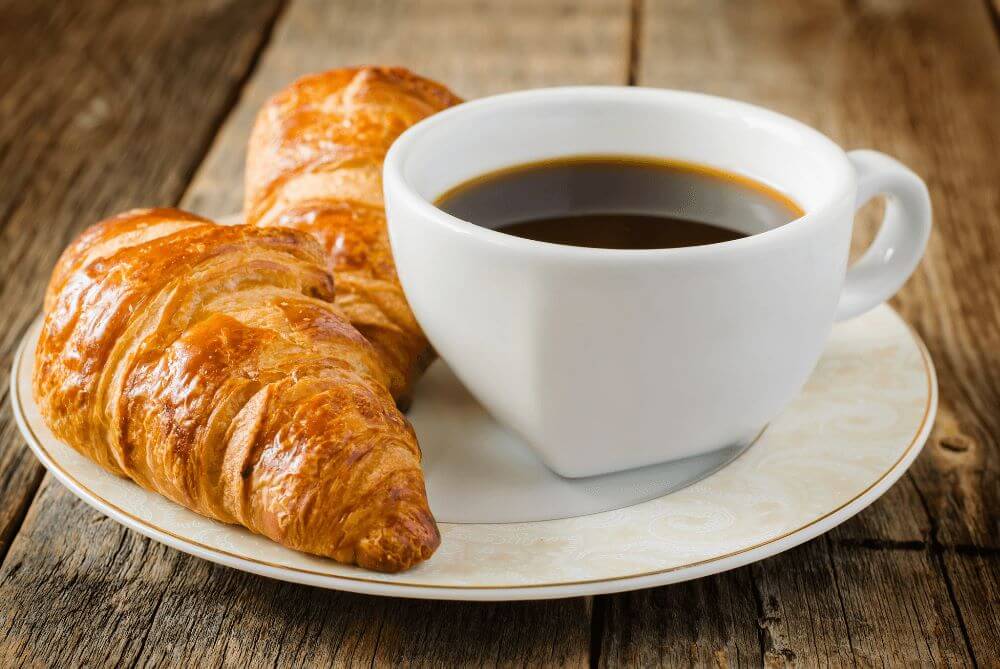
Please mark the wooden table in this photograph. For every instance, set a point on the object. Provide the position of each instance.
(108, 105)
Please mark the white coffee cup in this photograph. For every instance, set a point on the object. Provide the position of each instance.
(605, 359)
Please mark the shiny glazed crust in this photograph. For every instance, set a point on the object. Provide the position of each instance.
(315, 164)
(208, 363)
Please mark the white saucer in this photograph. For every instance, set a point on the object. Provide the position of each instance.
(859, 423)
(476, 471)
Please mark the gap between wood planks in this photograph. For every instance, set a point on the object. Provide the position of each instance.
(634, 40)
(993, 7)
(937, 555)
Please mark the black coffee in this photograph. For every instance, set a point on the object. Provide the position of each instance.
(620, 203)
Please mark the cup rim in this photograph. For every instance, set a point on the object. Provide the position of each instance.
(395, 162)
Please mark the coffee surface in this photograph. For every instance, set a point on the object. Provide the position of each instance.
(620, 231)
(620, 203)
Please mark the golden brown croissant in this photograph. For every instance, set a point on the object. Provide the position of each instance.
(208, 363)
(315, 163)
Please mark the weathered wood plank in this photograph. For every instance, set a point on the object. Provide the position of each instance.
(104, 594)
(105, 106)
(919, 80)
(828, 603)
(20, 475)
(79, 589)
(822, 604)
(101, 574)
(898, 608)
(475, 48)
(974, 580)
(708, 622)
(801, 616)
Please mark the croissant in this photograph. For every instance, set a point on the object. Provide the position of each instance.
(208, 363)
(314, 163)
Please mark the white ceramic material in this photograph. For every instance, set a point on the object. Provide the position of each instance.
(857, 425)
(477, 471)
(606, 359)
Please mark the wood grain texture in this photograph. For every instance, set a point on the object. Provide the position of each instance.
(889, 75)
(822, 604)
(105, 107)
(974, 580)
(475, 48)
(707, 622)
(800, 612)
(897, 607)
(77, 588)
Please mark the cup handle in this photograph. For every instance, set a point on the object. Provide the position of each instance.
(901, 239)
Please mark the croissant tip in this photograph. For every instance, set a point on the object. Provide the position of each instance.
(398, 544)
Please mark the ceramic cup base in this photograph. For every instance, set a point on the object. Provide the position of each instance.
(479, 472)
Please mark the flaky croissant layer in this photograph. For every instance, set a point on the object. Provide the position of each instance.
(208, 363)
(314, 163)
